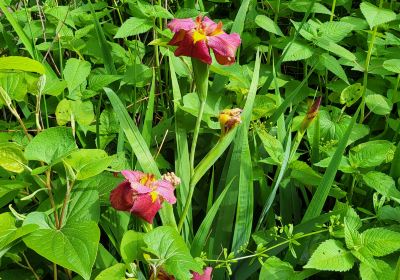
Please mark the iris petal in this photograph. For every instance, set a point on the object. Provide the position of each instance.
(145, 208)
(205, 276)
(166, 190)
(121, 197)
(176, 24)
(224, 47)
(132, 176)
(198, 50)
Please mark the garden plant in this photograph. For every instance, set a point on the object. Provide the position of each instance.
(207, 139)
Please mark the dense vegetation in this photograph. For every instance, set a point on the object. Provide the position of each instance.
(284, 143)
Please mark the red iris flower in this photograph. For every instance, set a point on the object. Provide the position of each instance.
(195, 38)
(141, 194)
(205, 276)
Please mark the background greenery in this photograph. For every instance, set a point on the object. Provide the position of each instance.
(89, 89)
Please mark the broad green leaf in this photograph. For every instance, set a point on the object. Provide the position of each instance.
(351, 94)
(332, 256)
(115, 272)
(167, 245)
(378, 104)
(97, 82)
(375, 15)
(364, 256)
(368, 273)
(138, 75)
(74, 246)
(9, 189)
(63, 112)
(392, 65)
(389, 213)
(371, 154)
(9, 233)
(297, 51)
(336, 49)
(272, 146)
(275, 269)
(335, 30)
(14, 85)
(303, 6)
(268, 24)
(21, 63)
(11, 157)
(132, 245)
(75, 73)
(51, 145)
(88, 162)
(380, 241)
(84, 203)
(134, 26)
(334, 66)
(382, 183)
(154, 11)
(352, 223)
(83, 112)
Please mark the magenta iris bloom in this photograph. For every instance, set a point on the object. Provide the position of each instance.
(205, 276)
(141, 194)
(194, 38)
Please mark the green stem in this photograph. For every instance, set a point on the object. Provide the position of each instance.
(396, 86)
(200, 71)
(333, 10)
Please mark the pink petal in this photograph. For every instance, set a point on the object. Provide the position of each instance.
(224, 47)
(145, 208)
(121, 197)
(132, 176)
(141, 189)
(208, 25)
(178, 37)
(198, 50)
(166, 190)
(181, 24)
(205, 276)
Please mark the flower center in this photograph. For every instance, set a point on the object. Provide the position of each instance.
(147, 180)
(198, 35)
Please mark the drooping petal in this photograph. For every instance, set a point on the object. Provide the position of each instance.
(132, 176)
(166, 190)
(205, 276)
(208, 25)
(121, 197)
(224, 47)
(181, 24)
(178, 37)
(198, 50)
(145, 208)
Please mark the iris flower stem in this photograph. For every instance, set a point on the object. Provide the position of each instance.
(200, 71)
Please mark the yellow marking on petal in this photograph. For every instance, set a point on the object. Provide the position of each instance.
(154, 196)
(198, 36)
(218, 30)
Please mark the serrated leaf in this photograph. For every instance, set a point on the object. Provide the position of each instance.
(380, 241)
(338, 50)
(335, 30)
(166, 243)
(378, 104)
(382, 183)
(134, 26)
(389, 213)
(75, 73)
(272, 145)
(371, 154)
(275, 269)
(368, 273)
(332, 256)
(334, 66)
(375, 15)
(268, 24)
(303, 5)
(297, 51)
